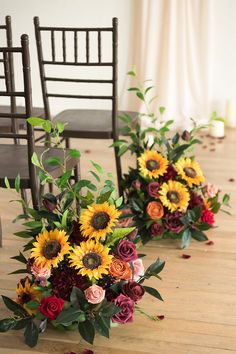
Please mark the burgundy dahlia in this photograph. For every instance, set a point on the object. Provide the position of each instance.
(76, 236)
(173, 223)
(157, 229)
(170, 173)
(133, 290)
(195, 200)
(63, 280)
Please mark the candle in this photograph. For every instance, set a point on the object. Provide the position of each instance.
(230, 114)
(217, 129)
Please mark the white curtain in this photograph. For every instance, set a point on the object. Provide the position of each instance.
(171, 46)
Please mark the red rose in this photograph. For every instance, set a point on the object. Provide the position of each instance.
(51, 306)
(208, 216)
(133, 290)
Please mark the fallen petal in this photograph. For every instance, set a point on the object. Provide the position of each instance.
(160, 317)
(88, 351)
(87, 151)
(186, 256)
(210, 243)
(231, 179)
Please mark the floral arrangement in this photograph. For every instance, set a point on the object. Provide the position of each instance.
(166, 192)
(83, 271)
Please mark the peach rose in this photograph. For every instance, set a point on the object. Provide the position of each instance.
(155, 210)
(120, 269)
(211, 190)
(138, 269)
(41, 273)
(94, 294)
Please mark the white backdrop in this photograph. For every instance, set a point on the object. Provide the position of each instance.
(222, 45)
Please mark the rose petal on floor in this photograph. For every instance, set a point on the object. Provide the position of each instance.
(231, 179)
(87, 151)
(186, 256)
(210, 243)
(160, 317)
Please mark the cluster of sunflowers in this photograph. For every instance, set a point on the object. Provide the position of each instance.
(83, 270)
(169, 200)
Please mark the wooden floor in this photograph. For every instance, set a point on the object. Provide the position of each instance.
(199, 292)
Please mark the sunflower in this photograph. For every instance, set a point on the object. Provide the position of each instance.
(174, 196)
(190, 171)
(91, 258)
(25, 293)
(50, 247)
(98, 219)
(152, 164)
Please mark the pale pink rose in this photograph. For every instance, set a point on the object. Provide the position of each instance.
(211, 190)
(138, 269)
(94, 294)
(40, 272)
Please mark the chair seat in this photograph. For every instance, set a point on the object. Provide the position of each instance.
(5, 123)
(89, 123)
(13, 161)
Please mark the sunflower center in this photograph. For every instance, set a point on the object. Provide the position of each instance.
(51, 249)
(100, 220)
(173, 196)
(92, 260)
(152, 165)
(24, 298)
(190, 172)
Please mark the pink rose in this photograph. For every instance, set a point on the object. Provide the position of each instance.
(211, 190)
(138, 269)
(41, 273)
(152, 189)
(94, 294)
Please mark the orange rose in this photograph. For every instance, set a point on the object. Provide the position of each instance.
(155, 210)
(120, 269)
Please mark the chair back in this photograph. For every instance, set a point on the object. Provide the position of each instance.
(78, 37)
(26, 93)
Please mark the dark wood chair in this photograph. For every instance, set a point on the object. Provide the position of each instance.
(7, 125)
(16, 158)
(93, 123)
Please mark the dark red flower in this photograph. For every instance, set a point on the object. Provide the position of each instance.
(195, 200)
(173, 223)
(76, 236)
(63, 280)
(186, 135)
(133, 290)
(186, 256)
(157, 229)
(51, 306)
(208, 217)
(111, 295)
(160, 317)
(132, 235)
(170, 173)
(126, 251)
(136, 184)
(152, 189)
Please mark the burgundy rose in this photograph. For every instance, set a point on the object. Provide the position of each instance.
(111, 295)
(186, 135)
(51, 306)
(170, 173)
(136, 184)
(152, 189)
(157, 229)
(133, 290)
(132, 235)
(173, 223)
(195, 200)
(126, 251)
(126, 309)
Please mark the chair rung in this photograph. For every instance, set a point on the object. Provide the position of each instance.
(12, 94)
(13, 135)
(74, 29)
(13, 115)
(78, 80)
(49, 62)
(80, 96)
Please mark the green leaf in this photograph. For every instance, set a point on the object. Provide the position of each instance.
(104, 197)
(14, 307)
(84, 183)
(21, 258)
(140, 95)
(33, 224)
(153, 292)
(77, 297)
(6, 324)
(87, 331)
(47, 126)
(155, 268)
(122, 150)
(101, 326)
(131, 73)
(175, 139)
(215, 208)
(118, 234)
(35, 160)
(19, 271)
(95, 176)
(148, 89)
(31, 334)
(108, 309)
(162, 109)
(33, 304)
(199, 235)
(60, 127)
(35, 121)
(17, 183)
(64, 218)
(119, 202)
(53, 161)
(125, 118)
(7, 184)
(186, 238)
(23, 234)
(98, 167)
(66, 317)
(133, 89)
(226, 199)
(74, 153)
(63, 181)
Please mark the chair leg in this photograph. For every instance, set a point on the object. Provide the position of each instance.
(67, 143)
(0, 232)
(77, 173)
(118, 171)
